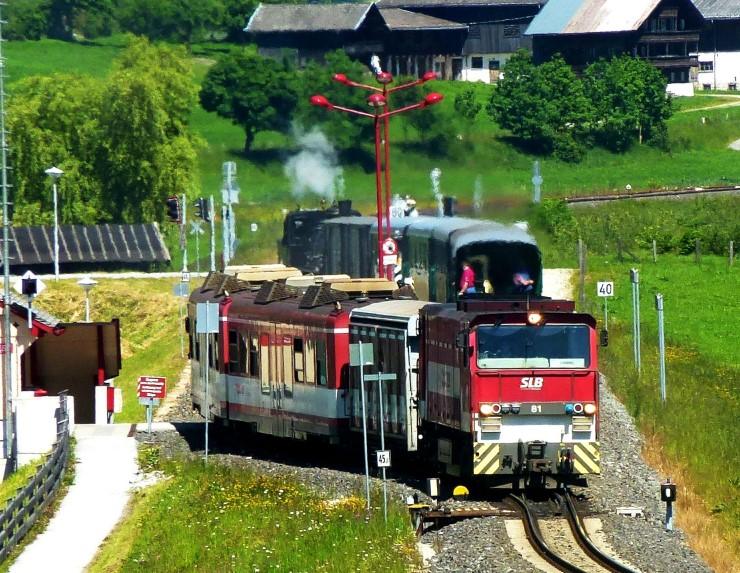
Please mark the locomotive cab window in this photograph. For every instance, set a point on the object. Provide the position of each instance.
(521, 346)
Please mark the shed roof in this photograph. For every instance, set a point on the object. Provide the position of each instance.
(132, 244)
(307, 17)
(455, 3)
(718, 9)
(590, 16)
(399, 19)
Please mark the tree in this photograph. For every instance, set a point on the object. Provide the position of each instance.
(543, 105)
(27, 20)
(629, 101)
(62, 14)
(255, 93)
(173, 20)
(122, 142)
(466, 105)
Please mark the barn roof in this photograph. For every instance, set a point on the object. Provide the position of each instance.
(399, 19)
(718, 9)
(132, 244)
(307, 17)
(590, 16)
(456, 3)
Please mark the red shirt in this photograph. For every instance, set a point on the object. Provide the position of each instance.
(467, 280)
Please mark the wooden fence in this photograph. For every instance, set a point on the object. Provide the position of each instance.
(22, 511)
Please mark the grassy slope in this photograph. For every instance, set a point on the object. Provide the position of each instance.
(150, 328)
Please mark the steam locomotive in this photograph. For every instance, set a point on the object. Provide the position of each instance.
(493, 390)
(431, 249)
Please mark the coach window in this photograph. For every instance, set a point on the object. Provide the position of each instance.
(254, 356)
(242, 342)
(265, 363)
(298, 370)
(321, 362)
(287, 360)
(233, 352)
(309, 360)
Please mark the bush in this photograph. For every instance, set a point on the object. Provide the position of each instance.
(558, 220)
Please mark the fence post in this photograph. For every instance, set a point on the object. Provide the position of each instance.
(582, 272)
(697, 251)
(732, 252)
(655, 251)
(661, 345)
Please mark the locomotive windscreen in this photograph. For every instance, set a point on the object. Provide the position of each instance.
(520, 346)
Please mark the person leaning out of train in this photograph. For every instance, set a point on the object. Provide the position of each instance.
(523, 282)
(467, 279)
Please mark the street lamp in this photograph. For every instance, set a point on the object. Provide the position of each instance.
(87, 283)
(379, 102)
(55, 173)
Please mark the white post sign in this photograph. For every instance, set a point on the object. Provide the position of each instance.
(383, 458)
(605, 289)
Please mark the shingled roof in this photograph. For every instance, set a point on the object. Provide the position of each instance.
(20, 308)
(718, 9)
(307, 17)
(455, 3)
(132, 244)
(591, 16)
(399, 19)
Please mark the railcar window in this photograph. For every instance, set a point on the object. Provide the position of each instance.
(287, 360)
(548, 346)
(310, 362)
(213, 351)
(254, 356)
(242, 342)
(298, 370)
(264, 367)
(321, 362)
(233, 352)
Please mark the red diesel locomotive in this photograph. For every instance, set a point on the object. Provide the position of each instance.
(492, 390)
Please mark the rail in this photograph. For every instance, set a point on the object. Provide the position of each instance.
(22, 511)
(652, 193)
(538, 541)
(584, 541)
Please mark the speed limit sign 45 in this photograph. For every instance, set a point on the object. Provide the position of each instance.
(383, 458)
(605, 288)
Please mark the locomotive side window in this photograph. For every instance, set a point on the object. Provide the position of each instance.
(548, 346)
(299, 374)
(254, 357)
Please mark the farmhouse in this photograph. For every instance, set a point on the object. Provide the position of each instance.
(468, 40)
(719, 44)
(665, 32)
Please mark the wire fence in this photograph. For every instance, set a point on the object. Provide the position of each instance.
(22, 511)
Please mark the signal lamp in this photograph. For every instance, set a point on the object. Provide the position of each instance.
(505, 408)
(515, 408)
(590, 409)
(428, 76)
(384, 77)
(432, 99)
(173, 209)
(578, 408)
(376, 100)
(569, 408)
(497, 408)
(486, 409)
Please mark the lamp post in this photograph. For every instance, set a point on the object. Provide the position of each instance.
(55, 173)
(87, 283)
(379, 102)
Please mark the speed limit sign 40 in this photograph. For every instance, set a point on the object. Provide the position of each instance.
(605, 288)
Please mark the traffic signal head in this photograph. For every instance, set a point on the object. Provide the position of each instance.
(173, 209)
(202, 210)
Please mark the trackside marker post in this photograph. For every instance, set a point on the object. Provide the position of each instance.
(605, 289)
(357, 354)
(383, 455)
(151, 389)
(206, 323)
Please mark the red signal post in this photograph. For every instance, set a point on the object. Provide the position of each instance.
(379, 102)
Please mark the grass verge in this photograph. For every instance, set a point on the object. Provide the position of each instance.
(227, 519)
(693, 436)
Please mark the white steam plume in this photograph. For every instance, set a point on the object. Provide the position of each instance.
(314, 168)
(375, 65)
(435, 175)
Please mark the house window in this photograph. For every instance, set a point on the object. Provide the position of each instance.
(512, 31)
(494, 65)
(476, 62)
(706, 66)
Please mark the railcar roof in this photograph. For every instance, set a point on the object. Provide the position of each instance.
(392, 308)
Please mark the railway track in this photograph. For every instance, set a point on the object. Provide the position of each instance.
(563, 542)
(653, 193)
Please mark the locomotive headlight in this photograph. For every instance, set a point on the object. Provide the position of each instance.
(496, 408)
(534, 318)
(577, 408)
(486, 409)
(590, 409)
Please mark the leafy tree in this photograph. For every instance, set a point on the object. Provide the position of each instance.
(173, 20)
(236, 14)
(629, 102)
(544, 105)
(122, 142)
(62, 15)
(466, 105)
(256, 93)
(27, 19)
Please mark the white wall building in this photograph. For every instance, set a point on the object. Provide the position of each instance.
(719, 45)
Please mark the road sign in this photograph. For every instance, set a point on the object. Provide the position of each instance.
(367, 354)
(22, 284)
(206, 318)
(152, 387)
(390, 247)
(383, 458)
(605, 288)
